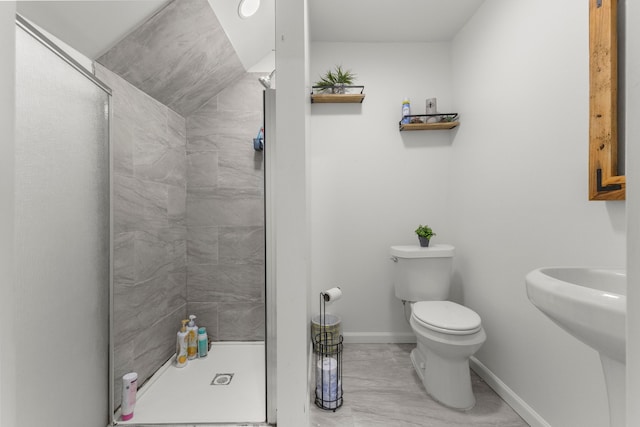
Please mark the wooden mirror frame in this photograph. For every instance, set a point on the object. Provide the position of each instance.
(604, 181)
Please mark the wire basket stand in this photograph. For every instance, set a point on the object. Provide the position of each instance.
(328, 346)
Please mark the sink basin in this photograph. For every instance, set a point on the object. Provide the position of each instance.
(590, 304)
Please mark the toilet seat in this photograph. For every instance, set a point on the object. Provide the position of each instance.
(446, 317)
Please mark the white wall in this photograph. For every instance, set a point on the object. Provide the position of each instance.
(633, 212)
(519, 196)
(7, 273)
(373, 185)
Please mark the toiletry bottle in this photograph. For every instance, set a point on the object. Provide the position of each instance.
(406, 110)
(181, 347)
(192, 338)
(203, 342)
(129, 389)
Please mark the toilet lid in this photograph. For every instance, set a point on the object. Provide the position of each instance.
(447, 317)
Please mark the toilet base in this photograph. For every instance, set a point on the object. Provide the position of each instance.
(447, 382)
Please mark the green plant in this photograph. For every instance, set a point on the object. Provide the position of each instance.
(335, 77)
(425, 231)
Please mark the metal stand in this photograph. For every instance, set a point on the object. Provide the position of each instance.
(328, 348)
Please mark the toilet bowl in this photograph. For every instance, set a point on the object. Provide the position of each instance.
(447, 335)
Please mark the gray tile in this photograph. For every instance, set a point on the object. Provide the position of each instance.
(122, 144)
(123, 256)
(226, 283)
(123, 362)
(156, 343)
(240, 168)
(155, 161)
(343, 417)
(207, 316)
(159, 251)
(244, 94)
(202, 245)
(381, 388)
(125, 323)
(181, 56)
(138, 306)
(176, 129)
(138, 203)
(160, 296)
(220, 206)
(241, 245)
(202, 168)
(241, 321)
(199, 140)
(176, 205)
(204, 123)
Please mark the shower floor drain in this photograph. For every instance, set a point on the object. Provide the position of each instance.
(222, 379)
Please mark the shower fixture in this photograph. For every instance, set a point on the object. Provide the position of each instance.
(266, 80)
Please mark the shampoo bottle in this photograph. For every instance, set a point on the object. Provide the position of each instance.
(203, 342)
(192, 338)
(406, 110)
(181, 346)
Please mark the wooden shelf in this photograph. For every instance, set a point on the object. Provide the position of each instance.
(444, 121)
(348, 95)
(428, 126)
(337, 98)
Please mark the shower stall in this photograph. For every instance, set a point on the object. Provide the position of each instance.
(214, 268)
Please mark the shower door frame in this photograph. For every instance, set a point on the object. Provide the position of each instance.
(269, 110)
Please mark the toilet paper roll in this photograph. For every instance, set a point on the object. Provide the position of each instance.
(328, 385)
(327, 372)
(330, 393)
(332, 294)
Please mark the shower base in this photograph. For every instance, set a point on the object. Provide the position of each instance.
(190, 395)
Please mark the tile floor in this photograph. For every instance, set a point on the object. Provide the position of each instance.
(381, 388)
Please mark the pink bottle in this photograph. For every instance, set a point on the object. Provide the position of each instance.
(129, 389)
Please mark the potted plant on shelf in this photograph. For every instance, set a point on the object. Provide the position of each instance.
(334, 81)
(424, 233)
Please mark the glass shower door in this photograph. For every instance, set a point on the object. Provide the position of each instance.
(62, 239)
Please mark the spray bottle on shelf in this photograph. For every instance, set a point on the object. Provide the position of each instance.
(192, 338)
(406, 110)
(181, 346)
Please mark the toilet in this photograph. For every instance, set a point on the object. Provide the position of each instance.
(447, 334)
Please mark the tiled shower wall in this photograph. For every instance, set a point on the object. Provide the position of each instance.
(149, 229)
(225, 214)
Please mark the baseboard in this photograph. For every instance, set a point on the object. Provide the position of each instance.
(520, 406)
(378, 337)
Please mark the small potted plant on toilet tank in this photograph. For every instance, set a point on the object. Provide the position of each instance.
(424, 233)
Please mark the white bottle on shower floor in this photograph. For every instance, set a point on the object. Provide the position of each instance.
(192, 338)
(181, 346)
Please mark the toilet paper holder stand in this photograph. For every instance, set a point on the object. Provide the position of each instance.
(328, 346)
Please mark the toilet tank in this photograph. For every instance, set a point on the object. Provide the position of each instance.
(422, 274)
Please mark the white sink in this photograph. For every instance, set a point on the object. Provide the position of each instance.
(590, 304)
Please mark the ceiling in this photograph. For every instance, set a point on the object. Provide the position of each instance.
(93, 27)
